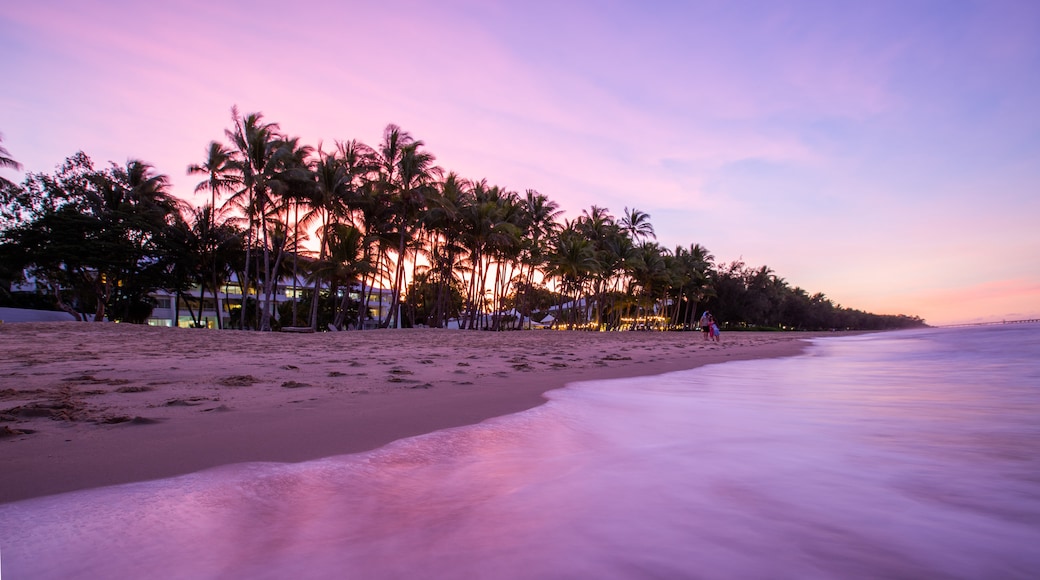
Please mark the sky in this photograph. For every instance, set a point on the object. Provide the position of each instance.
(886, 154)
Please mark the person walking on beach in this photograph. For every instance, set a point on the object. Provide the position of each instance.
(705, 324)
(716, 336)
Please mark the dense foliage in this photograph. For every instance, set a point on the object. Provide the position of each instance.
(103, 240)
(93, 237)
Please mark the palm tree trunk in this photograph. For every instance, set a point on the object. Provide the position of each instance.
(471, 292)
(395, 284)
(103, 297)
(265, 315)
(322, 255)
(341, 313)
(415, 267)
(216, 299)
(191, 311)
(244, 282)
(202, 304)
(296, 252)
(176, 307)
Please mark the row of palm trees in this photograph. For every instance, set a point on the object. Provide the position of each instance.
(355, 217)
(384, 215)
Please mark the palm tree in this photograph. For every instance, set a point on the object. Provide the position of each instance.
(360, 162)
(616, 252)
(572, 261)
(7, 161)
(293, 184)
(598, 226)
(489, 233)
(370, 211)
(255, 147)
(344, 266)
(326, 201)
(637, 224)
(407, 173)
(418, 176)
(693, 265)
(219, 170)
(504, 247)
(357, 204)
(221, 177)
(650, 276)
(539, 224)
(443, 222)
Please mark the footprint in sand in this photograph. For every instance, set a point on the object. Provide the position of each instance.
(239, 381)
(6, 431)
(192, 402)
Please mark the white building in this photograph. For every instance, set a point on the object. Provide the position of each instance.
(168, 313)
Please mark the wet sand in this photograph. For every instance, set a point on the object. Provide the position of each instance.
(85, 405)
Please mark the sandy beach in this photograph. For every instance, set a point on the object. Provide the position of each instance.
(85, 405)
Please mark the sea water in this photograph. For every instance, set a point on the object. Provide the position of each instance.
(912, 454)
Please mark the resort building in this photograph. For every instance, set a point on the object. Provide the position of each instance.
(176, 310)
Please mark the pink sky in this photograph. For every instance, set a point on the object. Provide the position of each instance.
(884, 155)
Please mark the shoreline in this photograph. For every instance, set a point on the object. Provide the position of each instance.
(111, 404)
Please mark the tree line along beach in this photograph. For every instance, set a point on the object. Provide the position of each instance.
(354, 225)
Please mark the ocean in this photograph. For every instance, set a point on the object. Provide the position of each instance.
(910, 454)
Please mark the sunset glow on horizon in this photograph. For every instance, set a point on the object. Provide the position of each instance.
(885, 154)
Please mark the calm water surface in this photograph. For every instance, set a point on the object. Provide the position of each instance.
(900, 455)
